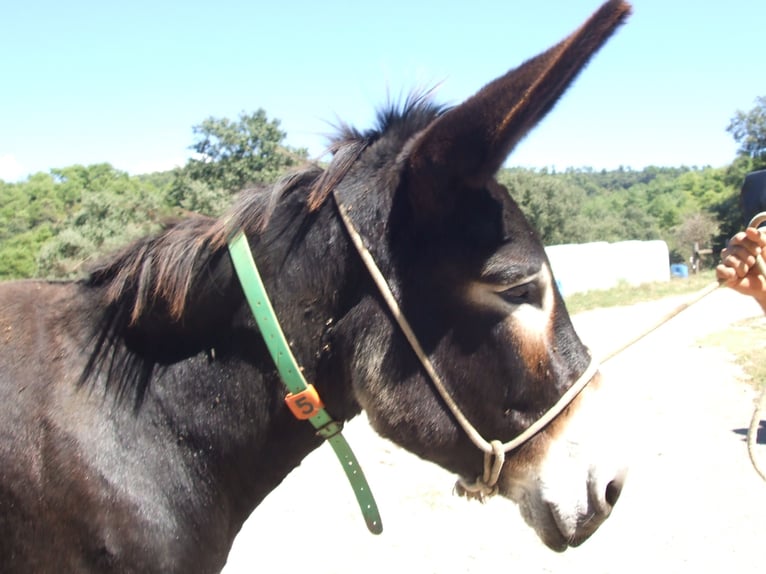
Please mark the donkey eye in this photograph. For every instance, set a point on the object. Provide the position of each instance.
(526, 293)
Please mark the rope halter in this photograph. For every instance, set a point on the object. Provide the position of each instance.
(485, 485)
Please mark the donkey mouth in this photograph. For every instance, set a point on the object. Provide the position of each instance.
(567, 533)
(550, 529)
(557, 530)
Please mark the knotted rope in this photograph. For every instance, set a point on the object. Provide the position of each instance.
(755, 421)
(486, 485)
(494, 451)
(752, 433)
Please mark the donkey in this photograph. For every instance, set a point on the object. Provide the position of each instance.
(142, 418)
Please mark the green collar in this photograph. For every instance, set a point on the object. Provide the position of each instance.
(302, 398)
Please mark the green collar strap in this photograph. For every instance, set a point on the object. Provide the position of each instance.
(302, 398)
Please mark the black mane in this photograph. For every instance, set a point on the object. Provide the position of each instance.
(162, 267)
(398, 121)
(156, 275)
(409, 116)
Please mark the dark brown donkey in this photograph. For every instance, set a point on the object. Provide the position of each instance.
(142, 418)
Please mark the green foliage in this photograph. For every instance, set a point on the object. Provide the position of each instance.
(113, 209)
(550, 204)
(234, 154)
(697, 230)
(18, 253)
(230, 155)
(53, 223)
(29, 215)
(196, 196)
(678, 205)
(749, 130)
(65, 254)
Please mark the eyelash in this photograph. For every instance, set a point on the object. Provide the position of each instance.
(528, 293)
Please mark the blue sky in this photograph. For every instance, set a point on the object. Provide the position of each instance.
(124, 82)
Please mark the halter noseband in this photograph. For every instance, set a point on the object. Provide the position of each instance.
(494, 451)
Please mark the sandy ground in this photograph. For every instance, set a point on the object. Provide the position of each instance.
(692, 502)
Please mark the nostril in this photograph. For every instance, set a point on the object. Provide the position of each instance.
(613, 490)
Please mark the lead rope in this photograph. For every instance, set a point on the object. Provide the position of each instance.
(494, 451)
(755, 421)
(752, 431)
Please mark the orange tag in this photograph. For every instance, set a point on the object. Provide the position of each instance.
(305, 404)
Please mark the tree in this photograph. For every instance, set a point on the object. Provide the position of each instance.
(18, 254)
(233, 154)
(196, 196)
(550, 203)
(111, 209)
(749, 130)
(694, 234)
(30, 212)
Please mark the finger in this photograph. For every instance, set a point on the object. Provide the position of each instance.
(738, 237)
(725, 274)
(746, 252)
(753, 283)
(757, 236)
(739, 260)
(748, 240)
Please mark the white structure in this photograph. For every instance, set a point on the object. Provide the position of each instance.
(601, 265)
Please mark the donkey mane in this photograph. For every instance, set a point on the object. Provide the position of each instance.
(155, 276)
(163, 267)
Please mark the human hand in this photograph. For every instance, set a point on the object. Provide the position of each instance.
(738, 269)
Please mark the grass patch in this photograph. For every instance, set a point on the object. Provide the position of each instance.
(625, 294)
(746, 340)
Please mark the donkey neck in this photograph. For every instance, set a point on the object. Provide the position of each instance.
(216, 418)
(312, 279)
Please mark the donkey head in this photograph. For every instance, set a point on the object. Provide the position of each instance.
(473, 279)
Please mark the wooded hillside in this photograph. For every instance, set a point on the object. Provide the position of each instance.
(54, 224)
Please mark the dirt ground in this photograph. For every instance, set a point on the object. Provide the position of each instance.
(692, 502)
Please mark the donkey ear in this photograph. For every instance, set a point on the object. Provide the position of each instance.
(470, 142)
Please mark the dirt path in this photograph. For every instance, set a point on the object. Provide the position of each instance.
(692, 502)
